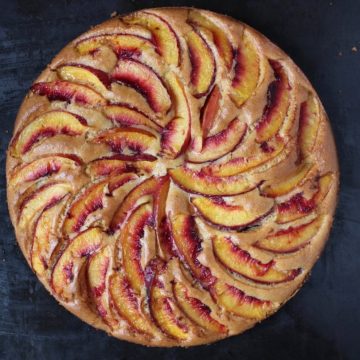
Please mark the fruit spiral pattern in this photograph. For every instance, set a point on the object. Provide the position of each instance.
(172, 177)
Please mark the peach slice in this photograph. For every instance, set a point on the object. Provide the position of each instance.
(120, 163)
(126, 115)
(196, 310)
(118, 139)
(42, 245)
(210, 110)
(309, 122)
(130, 240)
(247, 72)
(163, 309)
(91, 200)
(69, 92)
(288, 183)
(291, 239)
(241, 262)
(118, 180)
(237, 302)
(122, 44)
(163, 36)
(220, 39)
(147, 187)
(163, 236)
(176, 135)
(98, 268)
(221, 143)
(325, 182)
(96, 79)
(238, 165)
(128, 305)
(43, 197)
(226, 216)
(203, 64)
(42, 167)
(67, 267)
(49, 124)
(298, 206)
(294, 208)
(200, 183)
(188, 243)
(277, 105)
(144, 80)
(88, 202)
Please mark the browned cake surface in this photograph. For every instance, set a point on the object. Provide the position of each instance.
(172, 177)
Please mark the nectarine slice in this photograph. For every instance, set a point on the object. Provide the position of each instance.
(49, 124)
(176, 135)
(309, 122)
(238, 165)
(43, 197)
(288, 183)
(298, 206)
(67, 267)
(167, 315)
(128, 305)
(163, 36)
(247, 71)
(241, 262)
(227, 216)
(118, 180)
(188, 244)
(122, 44)
(99, 267)
(237, 302)
(126, 115)
(163, 236)
(291, 239)
(130, 240)
(88, 202)
(196, 310)
(120, 163)
(221, 143)
(220, 39)
(69, 92)
(119, 139)
(44, 166)
(210, 110)
(85, 75)
(144, 80)
(147, 187)
(44, 239)
(199, 183)
(203, 66)
(277, 105)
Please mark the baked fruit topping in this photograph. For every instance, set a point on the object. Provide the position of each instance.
(172, 177)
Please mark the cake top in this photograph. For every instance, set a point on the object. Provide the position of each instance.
(172, 177)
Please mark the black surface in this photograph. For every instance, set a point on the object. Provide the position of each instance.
(323, 320)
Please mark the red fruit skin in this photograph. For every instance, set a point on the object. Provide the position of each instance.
(64, 91)
(274, 95)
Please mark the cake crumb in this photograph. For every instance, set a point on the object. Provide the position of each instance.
(354, 49)
(113, 14)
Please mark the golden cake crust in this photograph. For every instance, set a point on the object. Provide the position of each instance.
(251, 257)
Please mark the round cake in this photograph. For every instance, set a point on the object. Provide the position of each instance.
(172, 177)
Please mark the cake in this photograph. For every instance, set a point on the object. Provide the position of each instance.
(172, 177)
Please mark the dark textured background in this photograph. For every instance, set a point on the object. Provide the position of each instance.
(323, 320)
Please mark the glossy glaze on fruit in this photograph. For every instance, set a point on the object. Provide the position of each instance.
(172, 177)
